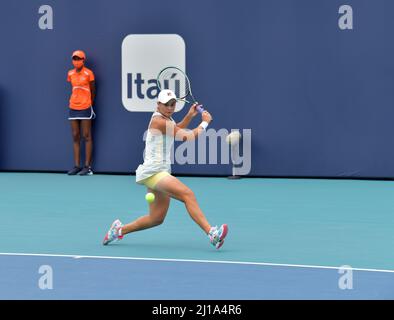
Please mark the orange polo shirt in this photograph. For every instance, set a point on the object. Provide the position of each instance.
(81, 97)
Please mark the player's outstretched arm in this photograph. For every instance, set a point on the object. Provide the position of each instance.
(188, 117)
(168, 128)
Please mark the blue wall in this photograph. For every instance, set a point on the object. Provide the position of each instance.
(319, 101)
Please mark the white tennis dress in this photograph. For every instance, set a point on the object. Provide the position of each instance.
(157, 153)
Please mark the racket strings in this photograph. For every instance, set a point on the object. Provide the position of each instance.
(175, 80)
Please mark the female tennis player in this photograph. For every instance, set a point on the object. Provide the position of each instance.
(155, 173)
(81, 111)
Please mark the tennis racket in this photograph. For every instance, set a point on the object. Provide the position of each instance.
(176, 80)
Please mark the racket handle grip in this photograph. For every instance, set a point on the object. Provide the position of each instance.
(199, 108)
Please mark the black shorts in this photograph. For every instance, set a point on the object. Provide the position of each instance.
(85, 114)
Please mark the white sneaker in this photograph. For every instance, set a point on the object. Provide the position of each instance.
(216, 235)
(113, 232)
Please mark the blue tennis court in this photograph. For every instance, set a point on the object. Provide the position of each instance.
(288, 239)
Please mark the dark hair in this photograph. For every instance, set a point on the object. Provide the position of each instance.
(173, 101)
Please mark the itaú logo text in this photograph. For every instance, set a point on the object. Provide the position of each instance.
(143, 56)
(148, 88)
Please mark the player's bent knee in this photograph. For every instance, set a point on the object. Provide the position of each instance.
(188, 195)
(157, 221)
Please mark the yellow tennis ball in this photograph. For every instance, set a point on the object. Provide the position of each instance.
(233, 137)
(150, 197)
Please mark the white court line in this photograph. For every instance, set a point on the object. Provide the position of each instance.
(76, 256)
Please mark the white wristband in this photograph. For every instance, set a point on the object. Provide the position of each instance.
(204, 124)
